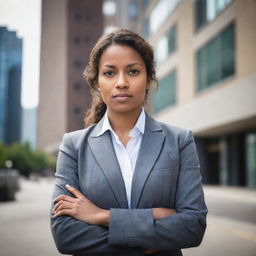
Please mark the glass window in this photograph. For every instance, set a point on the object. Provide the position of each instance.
(109, 29)
(78, 17)
(202, 68)
(159, 14)
(162, 49)
(166, 45)
(172, 40)
(77, 86)
(77, 110)
(216, 60)
(228, 52)
(146, 4)
(200, 13)
(207, 10)
(220, 5)
(109, 8)
(132, 9)
(77, 64)
(211, 10)
(251, 160)
(145, 28)
(166, 93)
(88, 17)
(77, 40)
(87, 39)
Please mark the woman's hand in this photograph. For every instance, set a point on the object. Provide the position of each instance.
(80, 208)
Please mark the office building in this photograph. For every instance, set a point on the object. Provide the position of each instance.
(10, 86)
(69, 30)
(206, 67)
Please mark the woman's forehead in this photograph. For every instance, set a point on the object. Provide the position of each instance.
(116, 54)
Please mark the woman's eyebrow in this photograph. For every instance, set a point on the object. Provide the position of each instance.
(129, 65)
(133, 64)
(109, 66)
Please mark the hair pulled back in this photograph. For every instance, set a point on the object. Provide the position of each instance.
(118, 37)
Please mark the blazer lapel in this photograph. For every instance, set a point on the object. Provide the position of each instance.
(151, 145)
(104, 153)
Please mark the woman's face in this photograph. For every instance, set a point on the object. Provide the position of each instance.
(122, 79)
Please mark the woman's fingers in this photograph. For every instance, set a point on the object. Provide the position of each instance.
(64, 212)
(62, 205)
(64, 198)
(80, 208)
(68, 205)
(74, 191)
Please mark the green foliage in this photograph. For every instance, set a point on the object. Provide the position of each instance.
(2, 154)
(26, 160)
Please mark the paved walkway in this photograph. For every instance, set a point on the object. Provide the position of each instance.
(231, 221)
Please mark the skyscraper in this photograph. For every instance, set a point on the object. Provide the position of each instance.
(10, 86)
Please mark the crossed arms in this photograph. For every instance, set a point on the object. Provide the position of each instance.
(79, 226)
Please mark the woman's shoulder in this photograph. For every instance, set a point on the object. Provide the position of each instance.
(170, 128)
(175, 134)
(173, 128)
(75, 135)
(76, 138)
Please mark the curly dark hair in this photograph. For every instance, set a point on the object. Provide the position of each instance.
(118, 37)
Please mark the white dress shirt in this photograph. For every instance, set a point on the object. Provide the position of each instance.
(127, 156)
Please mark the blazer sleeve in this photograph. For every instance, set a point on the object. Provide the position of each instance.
(136, 227)
(72, 236)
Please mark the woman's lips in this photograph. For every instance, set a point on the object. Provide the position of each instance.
(122, 96)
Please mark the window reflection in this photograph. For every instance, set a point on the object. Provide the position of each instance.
(207, 10)
(109, 8)
(166, 44)
(159, 14)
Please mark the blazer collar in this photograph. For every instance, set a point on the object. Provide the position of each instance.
(98, 127)
(104, 153)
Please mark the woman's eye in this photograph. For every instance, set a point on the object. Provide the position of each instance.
(134, 72)
(108, 73)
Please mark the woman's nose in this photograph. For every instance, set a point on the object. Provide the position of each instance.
(121, 81)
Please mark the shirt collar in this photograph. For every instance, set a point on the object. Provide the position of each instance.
(138, 128)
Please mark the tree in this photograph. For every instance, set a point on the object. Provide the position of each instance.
(26, 160)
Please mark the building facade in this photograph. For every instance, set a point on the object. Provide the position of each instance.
(10, 86)
(69, 30)
(121, 14)
(206, 67)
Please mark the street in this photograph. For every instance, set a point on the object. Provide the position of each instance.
(231, 231)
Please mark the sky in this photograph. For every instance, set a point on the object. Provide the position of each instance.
(24, 16)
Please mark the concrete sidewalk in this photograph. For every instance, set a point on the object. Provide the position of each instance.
(238, 194)
(231, 202)
(231, 223)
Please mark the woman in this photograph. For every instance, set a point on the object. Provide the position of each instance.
(127, 184)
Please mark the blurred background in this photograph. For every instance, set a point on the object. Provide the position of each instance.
(205, 54)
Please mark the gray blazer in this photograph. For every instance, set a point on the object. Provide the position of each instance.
(167, 174)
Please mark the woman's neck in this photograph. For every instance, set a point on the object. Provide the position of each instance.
(122, 123)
